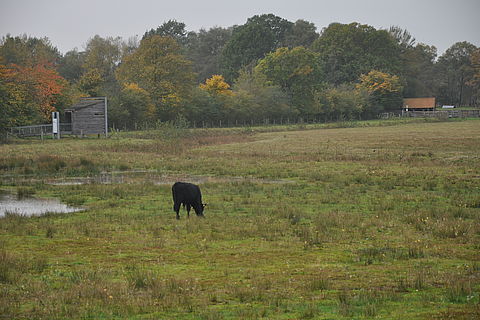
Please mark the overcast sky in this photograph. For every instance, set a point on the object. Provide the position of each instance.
(69, 24)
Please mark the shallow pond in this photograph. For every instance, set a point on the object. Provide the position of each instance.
(10, 204)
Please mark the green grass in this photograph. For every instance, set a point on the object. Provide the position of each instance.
(372, 220)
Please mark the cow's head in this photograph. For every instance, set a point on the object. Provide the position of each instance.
(200, 211)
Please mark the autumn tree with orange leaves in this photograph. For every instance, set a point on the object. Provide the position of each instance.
(30, 86)
(385, 90)
(216, 85)
(47, 87)
(28, 94)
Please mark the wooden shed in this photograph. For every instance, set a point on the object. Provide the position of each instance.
(419, 104)
(88, 116)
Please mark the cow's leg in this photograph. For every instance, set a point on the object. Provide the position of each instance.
(188, 210)
(176, 208)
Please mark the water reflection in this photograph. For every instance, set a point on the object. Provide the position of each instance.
(32, 206)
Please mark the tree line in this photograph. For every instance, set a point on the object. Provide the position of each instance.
(268, 67)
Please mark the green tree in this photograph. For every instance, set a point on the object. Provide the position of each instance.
(343, 102)
(202, 107)
(103, 54)
(302, 34)
(211, 105)
(158, 67)
(454, 72)
(130, 45)
(278, 26)
(252, 41)
(252, 98)
(71, 65)
(205, 51)
(133, 109)
(348, 50)
(256, 98)
(297, 72)
(418, 61)
(419, 70)
(404, 39)
(91, 83)
(28, 51)
(475, 82)
(173, 29)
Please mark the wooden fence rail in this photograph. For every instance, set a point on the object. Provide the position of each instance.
(443, 114)
(40, 130)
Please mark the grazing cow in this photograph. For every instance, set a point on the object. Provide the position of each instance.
(189, 195)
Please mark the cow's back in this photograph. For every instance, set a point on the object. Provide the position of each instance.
(186, 193)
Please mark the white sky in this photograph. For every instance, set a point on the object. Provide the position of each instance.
(69, 24)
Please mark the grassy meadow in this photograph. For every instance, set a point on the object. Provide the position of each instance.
(374, 220)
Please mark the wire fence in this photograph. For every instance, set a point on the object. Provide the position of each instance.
(230, 123)
(66, 128)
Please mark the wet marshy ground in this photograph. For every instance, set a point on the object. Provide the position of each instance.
(30, 206)
(137, 177)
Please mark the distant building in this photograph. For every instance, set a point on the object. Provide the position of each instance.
(88, 116)
(419, 104)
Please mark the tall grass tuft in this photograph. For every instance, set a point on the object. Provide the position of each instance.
(379, 254)
(8, 267)
(140, 278)
(12, 266)
(50, 164)
(318, 282)
(344, 301)
(25, 192)
(459, 291)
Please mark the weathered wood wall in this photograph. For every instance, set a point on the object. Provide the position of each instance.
(89, 120)
(89, 116)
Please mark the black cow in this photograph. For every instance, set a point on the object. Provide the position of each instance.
(189, 195)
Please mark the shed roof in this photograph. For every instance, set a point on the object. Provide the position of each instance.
(85, 102)
(419, 103)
